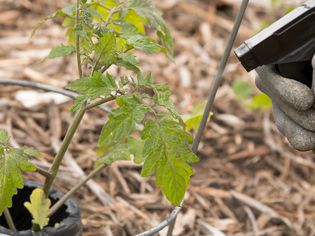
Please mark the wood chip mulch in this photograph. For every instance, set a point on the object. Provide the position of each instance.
(249, 182)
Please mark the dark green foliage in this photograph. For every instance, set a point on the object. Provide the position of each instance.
(145, 125)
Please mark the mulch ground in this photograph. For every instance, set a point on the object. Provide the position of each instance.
(248, 182)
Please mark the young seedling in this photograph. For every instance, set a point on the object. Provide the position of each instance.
(144, 127)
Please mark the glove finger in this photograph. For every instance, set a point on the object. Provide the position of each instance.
(305, 119)
(290, 91)
(313, 81)
(301, 139)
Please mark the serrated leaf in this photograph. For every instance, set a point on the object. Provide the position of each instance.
(122, 121)
(116, 153)
(93, 87)
(128, 61)
(105, 50)
(61, 51)
(39, 207)
(167, 154)
(12, 162)
(30, 151)
(139, 41)
(145, 81)
(162, 97)
(145, 9)
(4, 137)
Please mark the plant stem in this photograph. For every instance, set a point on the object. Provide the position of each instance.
(45, 87)
(99, 102)
(111, 13)
(43, 172)
(9, 219)
(64, 146)
(77, 22)
(61, 201)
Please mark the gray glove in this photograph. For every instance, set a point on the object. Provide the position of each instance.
(292, 106)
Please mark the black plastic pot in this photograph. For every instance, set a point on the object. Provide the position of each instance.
(65, 222)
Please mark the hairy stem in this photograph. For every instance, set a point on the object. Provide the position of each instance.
(110, 15)
(43, 172)
(58, 204)
(77, 23)
(9, 219)
(99, 102)
(64, 146)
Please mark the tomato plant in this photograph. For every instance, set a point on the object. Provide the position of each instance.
(144, 127)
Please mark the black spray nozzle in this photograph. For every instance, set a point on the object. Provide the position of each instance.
(289, 40)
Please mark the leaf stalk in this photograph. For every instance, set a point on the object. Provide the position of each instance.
(9, 219)
(61, 201)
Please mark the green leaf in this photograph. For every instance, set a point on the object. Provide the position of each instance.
(136, 149)
(12, 162)
(128, 61)
(139, 41)
(145, 9)
(4, 137)
(78, 103)
(260, 101)
(122, 121)
(116, 153)
(39, 207)
(105, 50)
(134, 19)
(69, 10)
(61, 51)
(147, 45)
(193, 119)
(30, 151)
(167, 154)
(241, 89)
(93, 87)
(162, 97)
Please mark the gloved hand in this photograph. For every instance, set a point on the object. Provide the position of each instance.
(292, 106)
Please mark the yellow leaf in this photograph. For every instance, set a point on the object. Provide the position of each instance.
(39, 207)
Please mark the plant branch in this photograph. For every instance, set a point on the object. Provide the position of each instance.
(61, 201)
(99, 102)
(9, 219)
(77, 23)
(64, 146)
(46, 88)
(43, 172)
(110, 15)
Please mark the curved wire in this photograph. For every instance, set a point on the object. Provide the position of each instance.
(30, 84)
